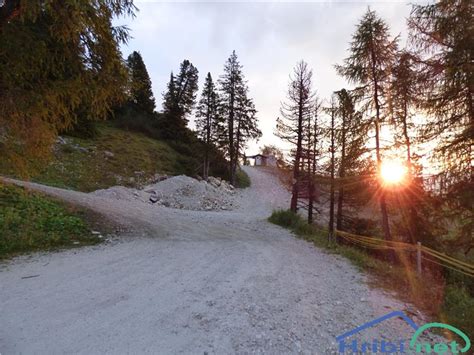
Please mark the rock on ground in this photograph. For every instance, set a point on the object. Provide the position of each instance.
(181, 192)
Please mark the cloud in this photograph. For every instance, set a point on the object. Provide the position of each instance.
(269, 39)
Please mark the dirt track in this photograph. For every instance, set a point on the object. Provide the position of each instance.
(189, 282)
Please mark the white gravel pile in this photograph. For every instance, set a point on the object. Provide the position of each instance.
(182, 192)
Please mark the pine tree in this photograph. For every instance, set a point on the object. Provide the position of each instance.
(179, 101)
(141, 94)
(294, 114)
(372, 54)
(443, 34)
(246, 125)
(56, 60)
(209, 123)
(238, 110)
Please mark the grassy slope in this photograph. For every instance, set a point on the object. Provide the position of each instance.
(114, 157)
(31, 221)
(451, 303)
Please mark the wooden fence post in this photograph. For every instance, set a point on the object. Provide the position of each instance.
(418, 258)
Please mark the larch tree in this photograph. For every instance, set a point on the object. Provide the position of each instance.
(350, 136)
(238, 110)
(294, 114)
(442, 33)
(140, 92)
(209, 123)
(57, 58)
(372, 54)
(179, 101)
(405, 99)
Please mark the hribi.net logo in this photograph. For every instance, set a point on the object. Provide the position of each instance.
(348, 344)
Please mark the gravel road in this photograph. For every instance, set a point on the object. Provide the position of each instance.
(189, 282)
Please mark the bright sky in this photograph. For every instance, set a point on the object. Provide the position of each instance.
(269, 38)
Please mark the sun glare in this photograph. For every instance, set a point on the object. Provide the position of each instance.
(392, 171)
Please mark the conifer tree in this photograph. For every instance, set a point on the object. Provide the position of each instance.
(246, 125)
(310, 156)
(141, 94)
(56, 61)
(209, 122)
(294, 114)
(405, 98)
(179, 101)
(238, 110)
(372, 54)
(350, 135)
(443, 33)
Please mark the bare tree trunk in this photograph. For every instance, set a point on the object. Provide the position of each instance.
(342, 174)
(383, 203)
(296, 167)
(208, 142)
(413, 214)
(237, 151)
(231, 137)
(310, 182)
(331, 194)
(312, 169)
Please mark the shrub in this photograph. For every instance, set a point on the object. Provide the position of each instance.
(458, 308)
(242, 180)
(284, 218)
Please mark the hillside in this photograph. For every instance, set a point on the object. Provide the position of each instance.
(113, 157)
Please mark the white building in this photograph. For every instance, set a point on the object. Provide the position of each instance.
(263, 160)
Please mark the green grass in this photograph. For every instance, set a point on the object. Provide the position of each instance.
(242, 180)
(452, 304)
(113, 157)
(458, 309)
(32, 222)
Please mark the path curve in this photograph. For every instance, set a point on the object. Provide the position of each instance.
(189, 282)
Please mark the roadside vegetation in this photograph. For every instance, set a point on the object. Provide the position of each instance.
(447, 297)
(32, 222)
(242, 180)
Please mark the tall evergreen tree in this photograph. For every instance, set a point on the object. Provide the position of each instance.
(209, 122)
(179, 101)
(294, 114)
(56, 60)
(443, 34)
(141, 94)
(372, 54)
(238, 110)
(246, 125)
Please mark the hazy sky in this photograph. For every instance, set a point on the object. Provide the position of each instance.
(269, 39)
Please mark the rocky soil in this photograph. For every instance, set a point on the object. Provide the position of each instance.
(181, 192)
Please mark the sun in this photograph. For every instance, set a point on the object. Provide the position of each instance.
(393, 172)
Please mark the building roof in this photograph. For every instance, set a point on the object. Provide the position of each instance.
(257, 155)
